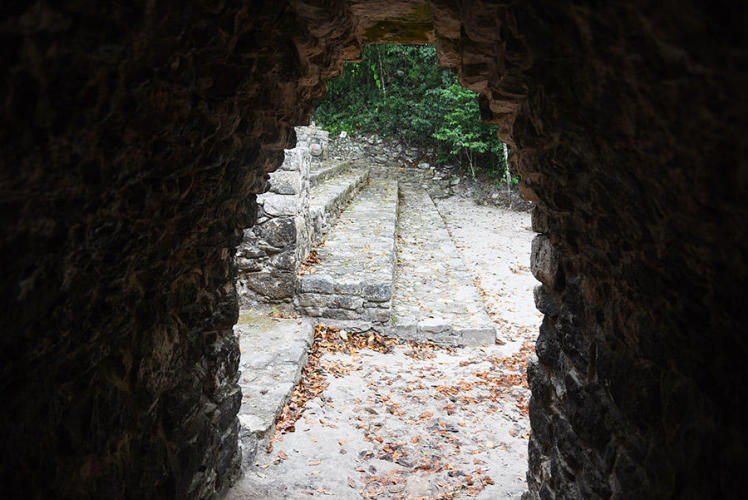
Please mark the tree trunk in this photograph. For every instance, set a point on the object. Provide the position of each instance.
(507, 173)
(381, 71)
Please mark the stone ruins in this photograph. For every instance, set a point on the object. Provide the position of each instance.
(137, 138)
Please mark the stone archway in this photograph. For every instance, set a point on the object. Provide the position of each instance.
(136, 135)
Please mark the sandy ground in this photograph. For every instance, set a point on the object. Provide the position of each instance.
(422, 422)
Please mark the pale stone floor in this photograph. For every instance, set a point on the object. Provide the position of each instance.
(435, 298)
(445, 423)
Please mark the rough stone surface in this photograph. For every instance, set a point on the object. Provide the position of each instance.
(325, 170)
(357, 260)
(134, 136)
(273, 352)
(494, 243)
(425, 411)
(435, 297)
(272, 250)
(328, 199)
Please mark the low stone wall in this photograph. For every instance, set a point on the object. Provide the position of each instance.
(316, 139)
(271, 251)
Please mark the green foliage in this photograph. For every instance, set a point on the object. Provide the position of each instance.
(398, 91)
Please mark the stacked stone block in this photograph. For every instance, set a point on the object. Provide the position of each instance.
(271, 251)
(353, 282)
(317, 140)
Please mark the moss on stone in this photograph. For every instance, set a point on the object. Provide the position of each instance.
(416, 27)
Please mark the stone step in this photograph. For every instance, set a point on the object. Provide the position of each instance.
(327, 169)
(327, 200)
(273, 353)
(354, 276)
(435, 298)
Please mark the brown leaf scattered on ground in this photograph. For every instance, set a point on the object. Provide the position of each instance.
(311, 260)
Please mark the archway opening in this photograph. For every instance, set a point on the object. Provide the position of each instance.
(387, 313)
(134, 140)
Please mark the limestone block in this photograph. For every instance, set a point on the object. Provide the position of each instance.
(316, 284)
(278, 232)
(433, 325)
(348, 288)
(544, 261)
(378, 292)
(338, 313)
(251, 252)
(285, 182)
(313, 300)
(274, 286)
(246, 264)
(378, 315)
(347, 302)
(285, 261)
(293, 159)
(478, 336)
(280, 204)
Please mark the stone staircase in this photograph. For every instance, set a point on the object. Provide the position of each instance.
(376, 253)
(383, 260)
(390, 265)
(353, 280)
(332, 188)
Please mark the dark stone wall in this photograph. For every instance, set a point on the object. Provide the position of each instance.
(633, 140)
(135, 133)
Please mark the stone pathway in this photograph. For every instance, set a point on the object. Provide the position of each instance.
(404, 425)
(494, 243)
(328, 199)
(435, 297)
(353, 278)
(320, 172)
(273, 351)
(421, 421)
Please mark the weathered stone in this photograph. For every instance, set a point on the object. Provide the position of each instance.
(347, 302)
(283, 182)
(547, 303)
(285, 261)
(279, 232)
(433, 325)
(280, 204)
(316, 283)
(308, 299)
(357, 258)
(133, 146)
(433, 289)
(544, 260)
(273, 285)
(377, 292)
(273, 353)
(477, 336)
